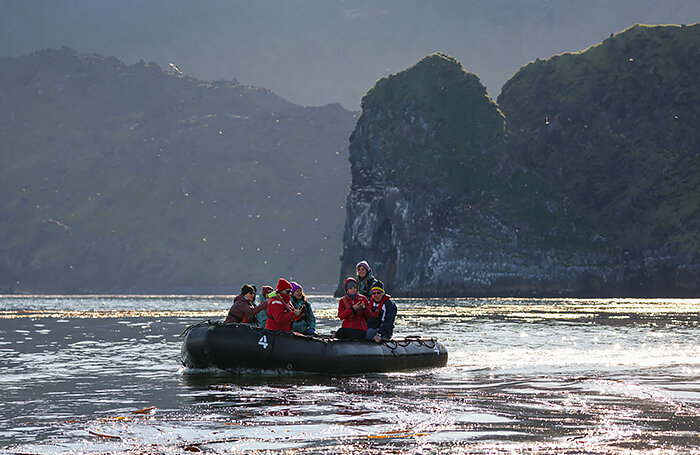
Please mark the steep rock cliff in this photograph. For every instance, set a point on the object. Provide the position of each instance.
(583, 180)
(421, 165)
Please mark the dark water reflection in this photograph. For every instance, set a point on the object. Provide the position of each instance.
(102, 375)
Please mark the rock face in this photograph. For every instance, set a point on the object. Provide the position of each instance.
(584, 179)
(127, 178)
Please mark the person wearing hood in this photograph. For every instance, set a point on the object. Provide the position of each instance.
(354, 310)
(306, 323)
(243, 309)
(381, 325)
(364, 278)
(280, 311)
(261, 318)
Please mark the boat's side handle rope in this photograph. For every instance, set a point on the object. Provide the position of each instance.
(391, 344)
(430, 343)
(189, 328)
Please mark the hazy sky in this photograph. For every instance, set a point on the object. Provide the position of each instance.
(314, 52)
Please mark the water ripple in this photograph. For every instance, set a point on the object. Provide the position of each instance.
(101, 374)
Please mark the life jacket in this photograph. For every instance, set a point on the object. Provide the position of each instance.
(353, 319)
(245, 319)
(377, 312)
(235, 314)
(280, 314)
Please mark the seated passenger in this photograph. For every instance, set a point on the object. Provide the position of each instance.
(243, 310)
(381, 325)
(261, 318)
(353, 309)
(306, 323)
(364, 278)
(280, 312)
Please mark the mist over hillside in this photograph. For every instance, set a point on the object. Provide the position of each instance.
(127, 178)
(316, 52)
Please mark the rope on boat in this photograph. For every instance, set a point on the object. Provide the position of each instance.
(429, 343)
(193, 326)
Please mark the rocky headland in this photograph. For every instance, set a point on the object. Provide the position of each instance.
(582, 180)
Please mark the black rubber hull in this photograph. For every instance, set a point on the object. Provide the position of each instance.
(234, 346)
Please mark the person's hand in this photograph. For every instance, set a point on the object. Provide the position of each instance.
(377, 338)
(297, 312)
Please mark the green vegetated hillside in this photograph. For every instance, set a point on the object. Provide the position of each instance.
(433, 127)
(425, 134)
(121, 178)
(613, 132)
(583, 179)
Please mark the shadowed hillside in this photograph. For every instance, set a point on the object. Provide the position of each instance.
(121, 178)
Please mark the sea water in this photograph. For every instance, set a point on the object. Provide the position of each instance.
(102, 374)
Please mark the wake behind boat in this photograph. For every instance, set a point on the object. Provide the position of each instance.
(230, 346)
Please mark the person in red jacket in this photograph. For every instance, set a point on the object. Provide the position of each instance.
(354, 310)
(280, 311)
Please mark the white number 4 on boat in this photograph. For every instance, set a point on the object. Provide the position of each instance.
(263, 341)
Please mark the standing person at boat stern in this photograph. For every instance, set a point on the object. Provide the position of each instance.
(381, 325)
(306, 323)
(364, 278)
(280, 311)
(354, 310)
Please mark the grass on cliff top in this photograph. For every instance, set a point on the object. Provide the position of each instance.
(596, 151)
(434, 124)
(614, 127)
(571, 81)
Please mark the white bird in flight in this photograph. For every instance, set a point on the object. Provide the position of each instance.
(174, 66)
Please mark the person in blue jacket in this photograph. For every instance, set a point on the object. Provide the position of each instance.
(261, 318)
(306, 324)
(381, 325)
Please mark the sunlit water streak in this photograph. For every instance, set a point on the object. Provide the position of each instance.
(525, 375)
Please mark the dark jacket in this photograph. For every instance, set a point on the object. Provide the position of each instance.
(383, 316)
(364, 287)
(307, 320)
(242, 310)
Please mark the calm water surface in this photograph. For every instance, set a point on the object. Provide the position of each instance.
(103, 375)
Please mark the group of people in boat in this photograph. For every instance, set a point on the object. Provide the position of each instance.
(283, 309)
(367, 311)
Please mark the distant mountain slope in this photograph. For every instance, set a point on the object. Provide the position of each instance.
(121, 178)
(591, 189)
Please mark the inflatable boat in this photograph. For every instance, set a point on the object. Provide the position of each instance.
(232, 346)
